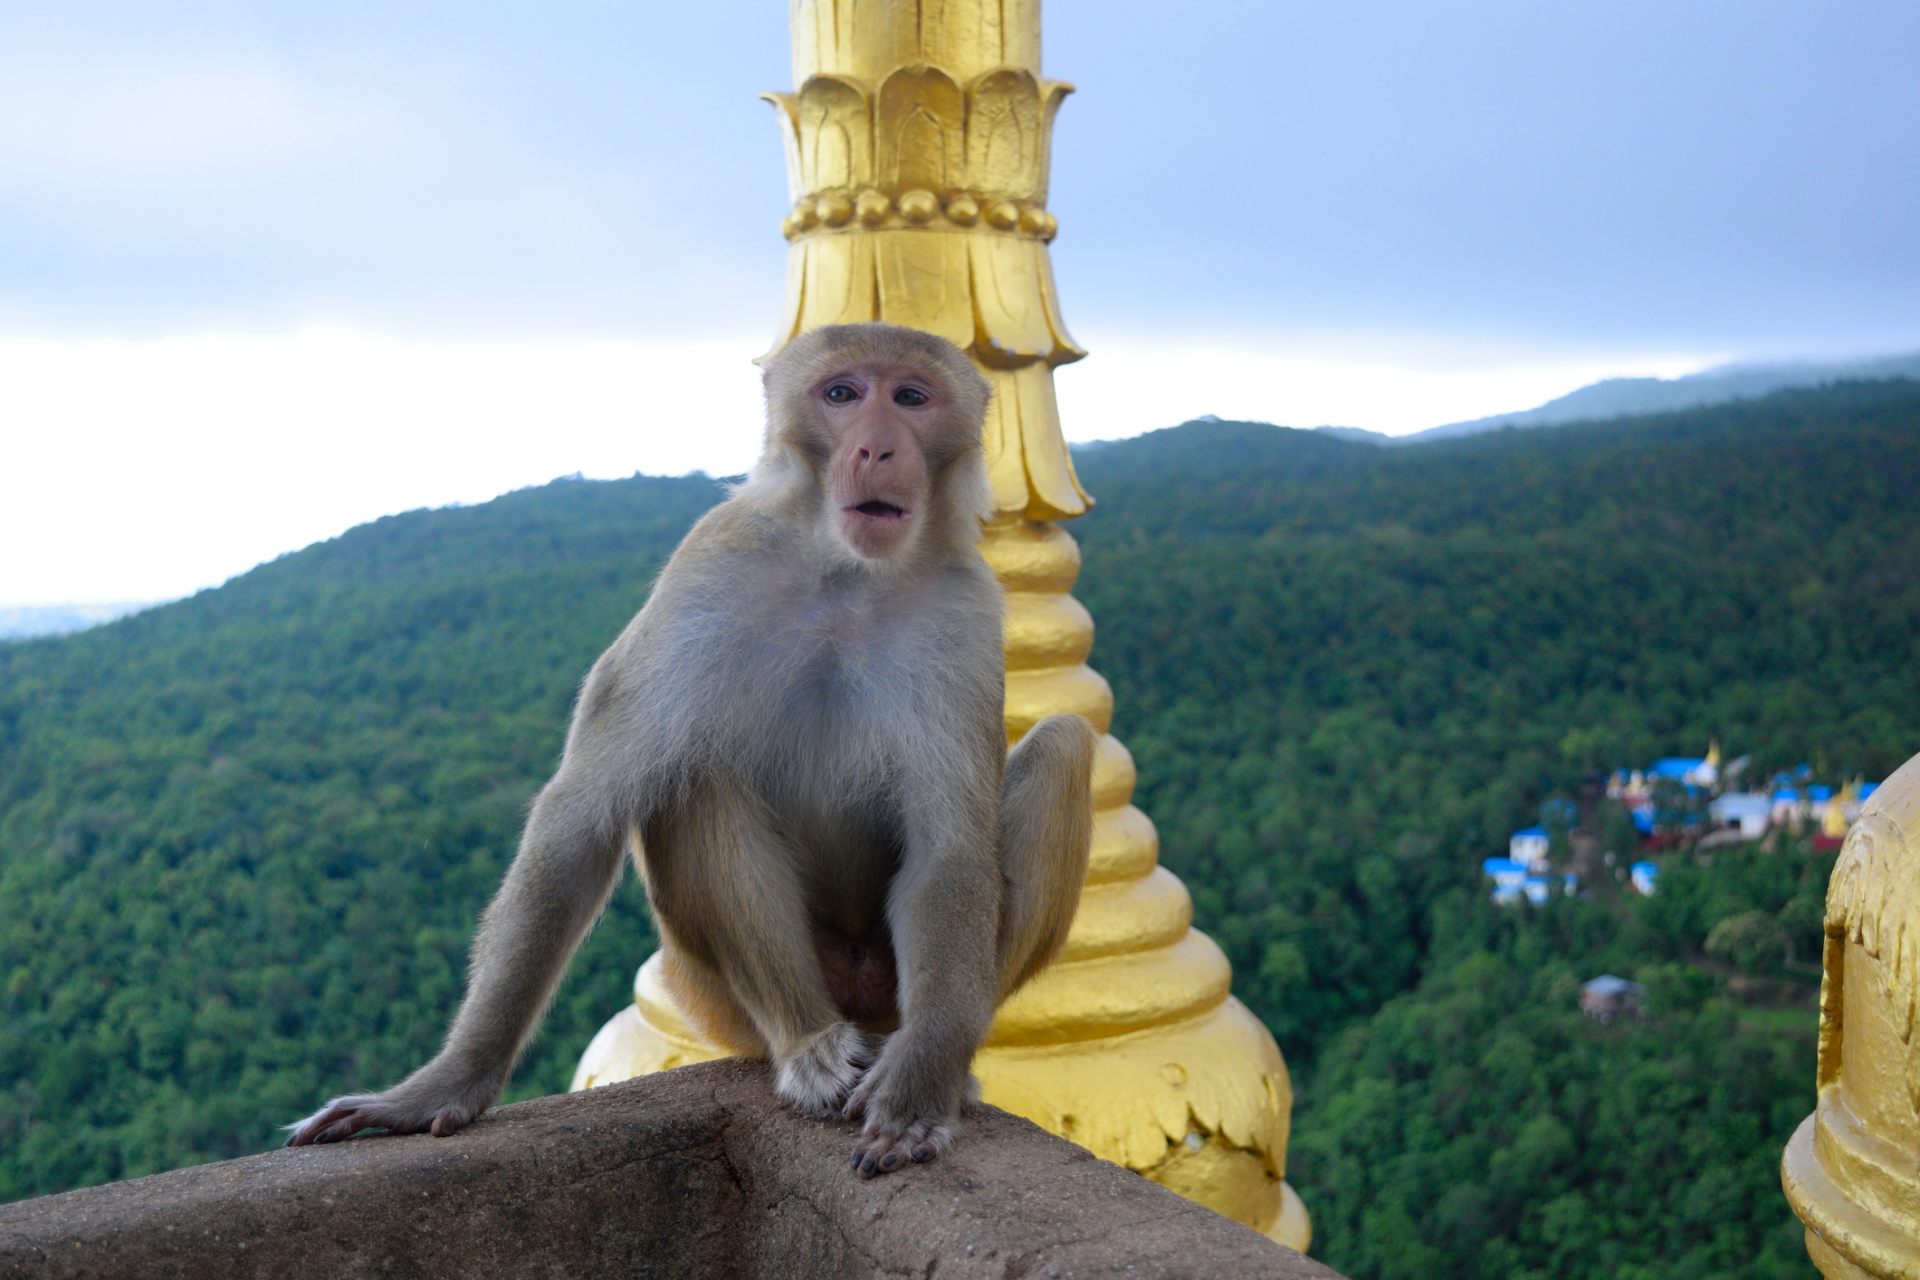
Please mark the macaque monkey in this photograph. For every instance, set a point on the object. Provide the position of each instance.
(801, 735)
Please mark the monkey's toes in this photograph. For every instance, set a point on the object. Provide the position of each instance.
(449, 1121)
(882, 1150)
(344, 1117)
(332, 1123)
(818, 1078)
(857, 1100)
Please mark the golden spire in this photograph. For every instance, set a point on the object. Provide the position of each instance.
(919, 177)
(1833, 816)
(917, 153)
(1852, 1169)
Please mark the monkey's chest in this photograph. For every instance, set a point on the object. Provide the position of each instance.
(825, 761)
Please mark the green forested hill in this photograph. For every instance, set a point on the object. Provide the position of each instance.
(243, 837)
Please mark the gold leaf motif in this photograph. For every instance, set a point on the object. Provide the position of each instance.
(1000, 441)
(835, 128)
(920, 130)
(1055, 492)
(1003, 133)
(786, 108)
(1065, 349)
(1019, 33)
(873, 36)
(1012, 324)
(839, 284)
(924, 283)
(1052, 94)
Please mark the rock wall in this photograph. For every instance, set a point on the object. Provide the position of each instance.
(692, 1173)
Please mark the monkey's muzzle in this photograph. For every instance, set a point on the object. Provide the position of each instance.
(879, 509)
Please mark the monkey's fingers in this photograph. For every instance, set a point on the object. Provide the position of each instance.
(883, 1150)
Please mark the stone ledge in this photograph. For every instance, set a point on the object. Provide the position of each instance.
(692, 1173)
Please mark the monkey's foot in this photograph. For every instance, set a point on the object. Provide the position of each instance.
(393, 1111)
(884, 1148)
(817, 1079)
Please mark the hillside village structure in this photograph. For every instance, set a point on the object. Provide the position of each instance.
(1680, 799)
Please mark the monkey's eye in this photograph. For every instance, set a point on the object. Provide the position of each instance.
(912, 397)
(841, 393)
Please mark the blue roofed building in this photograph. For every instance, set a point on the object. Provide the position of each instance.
(1697, 772)
(1678, 768)
(1509, 878)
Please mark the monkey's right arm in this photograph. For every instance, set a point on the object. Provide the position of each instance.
(568, 862)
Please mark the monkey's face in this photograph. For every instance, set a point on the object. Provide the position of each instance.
(878, 420)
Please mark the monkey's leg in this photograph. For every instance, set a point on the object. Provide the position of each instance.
(1046, 830)
(727, 887)
(568, 862)
(706, 999)
(956, 944)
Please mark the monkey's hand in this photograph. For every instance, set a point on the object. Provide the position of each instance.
(816, 1079)
(419, 1104)
(911, 1116)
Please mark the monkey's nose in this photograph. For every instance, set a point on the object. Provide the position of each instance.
(866, 454)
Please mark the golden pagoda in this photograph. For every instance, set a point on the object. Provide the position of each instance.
(1833, 814)
(917, 153)
(1852, 1169)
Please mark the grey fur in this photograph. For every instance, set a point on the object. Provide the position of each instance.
(800, 738)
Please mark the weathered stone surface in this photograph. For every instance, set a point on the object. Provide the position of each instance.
(692, 1173)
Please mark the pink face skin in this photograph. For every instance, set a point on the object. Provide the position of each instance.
(878, 416)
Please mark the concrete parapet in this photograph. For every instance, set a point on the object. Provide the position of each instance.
(690, 1173)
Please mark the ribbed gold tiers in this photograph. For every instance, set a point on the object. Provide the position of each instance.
(917, 149)
(1852, 1169)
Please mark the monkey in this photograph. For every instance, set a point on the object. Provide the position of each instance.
(801, 738)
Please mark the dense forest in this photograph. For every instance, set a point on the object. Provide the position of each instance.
(243, 837)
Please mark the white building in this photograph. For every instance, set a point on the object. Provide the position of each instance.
(1529, 848)
(1750, 811)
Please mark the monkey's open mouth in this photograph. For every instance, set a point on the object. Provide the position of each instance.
(876, 509)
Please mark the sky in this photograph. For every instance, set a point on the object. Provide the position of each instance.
(269, 270)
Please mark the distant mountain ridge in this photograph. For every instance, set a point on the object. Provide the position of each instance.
(23, 621)
(1628, 397)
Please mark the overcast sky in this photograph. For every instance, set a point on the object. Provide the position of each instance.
(271, 269)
